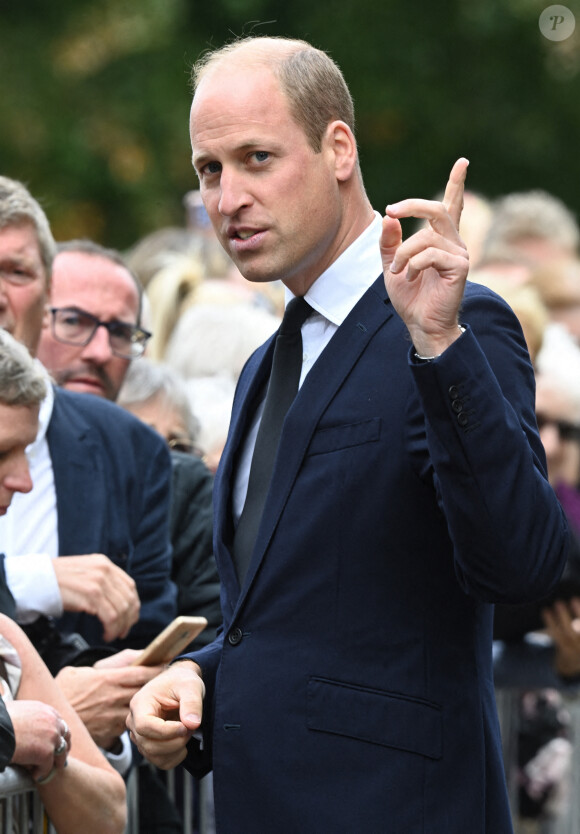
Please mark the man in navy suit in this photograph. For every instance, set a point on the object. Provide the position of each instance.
(351, 689)
(87, 551)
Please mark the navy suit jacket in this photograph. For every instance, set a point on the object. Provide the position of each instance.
(351, 689)
(112, 477)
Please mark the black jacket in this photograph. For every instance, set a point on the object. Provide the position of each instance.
(7, 741)
(191, 524)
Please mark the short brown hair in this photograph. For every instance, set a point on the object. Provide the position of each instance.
(309, 78)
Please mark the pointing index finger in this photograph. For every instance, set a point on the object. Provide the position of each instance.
(453, 199)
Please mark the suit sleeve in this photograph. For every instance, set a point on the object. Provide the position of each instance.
(151, 558)
(508, 530)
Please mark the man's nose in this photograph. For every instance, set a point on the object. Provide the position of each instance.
(19, 480)
(98, 351)
(234, 194)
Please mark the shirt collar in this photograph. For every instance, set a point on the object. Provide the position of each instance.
(45, 412)
(337, 290)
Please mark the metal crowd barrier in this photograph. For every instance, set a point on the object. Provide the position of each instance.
(569, 821)
(527, 666)
(192, 797)
(21, 809)
(20, 806)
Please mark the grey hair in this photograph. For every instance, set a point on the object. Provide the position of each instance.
(217, 339)
(18, 206)
(21, 379)
(146, 380)
(535, 214)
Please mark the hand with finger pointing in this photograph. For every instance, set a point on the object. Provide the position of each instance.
(425, 275)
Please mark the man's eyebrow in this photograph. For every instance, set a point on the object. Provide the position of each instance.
(202, 157)
(10, 262)
(16, 259)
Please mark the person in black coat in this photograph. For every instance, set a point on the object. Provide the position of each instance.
(194, 569)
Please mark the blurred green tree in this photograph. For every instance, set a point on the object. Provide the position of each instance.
(95, 95)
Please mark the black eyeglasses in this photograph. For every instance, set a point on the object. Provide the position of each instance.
(75, 327)
(566, 430)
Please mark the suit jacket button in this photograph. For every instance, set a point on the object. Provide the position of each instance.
(235, 636)
(462, 419)
(453, 392)
(457, 406)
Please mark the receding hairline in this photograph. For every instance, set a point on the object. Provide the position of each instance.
(309, 79)
(249, 52)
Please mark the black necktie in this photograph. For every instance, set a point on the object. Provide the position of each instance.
(282, 388)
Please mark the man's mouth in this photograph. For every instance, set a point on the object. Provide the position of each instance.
(87, 380)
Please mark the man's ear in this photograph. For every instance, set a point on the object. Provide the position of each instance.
(341, 140)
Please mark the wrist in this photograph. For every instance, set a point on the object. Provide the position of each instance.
(116, 748)
(427, 349)
(121, 757)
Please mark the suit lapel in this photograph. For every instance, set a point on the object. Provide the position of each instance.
(78, 480)
(320, 386)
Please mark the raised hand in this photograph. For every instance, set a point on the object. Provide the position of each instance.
(425, 275)
(563, 626)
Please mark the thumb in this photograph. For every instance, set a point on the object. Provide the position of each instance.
(391, 239)
(191, 707)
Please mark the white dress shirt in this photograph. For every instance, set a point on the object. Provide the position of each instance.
(29, 531)
(332, 296)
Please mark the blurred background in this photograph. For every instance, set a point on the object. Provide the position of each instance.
(95, 95)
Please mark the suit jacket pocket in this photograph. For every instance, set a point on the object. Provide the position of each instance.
(375, 716)
(333, 438)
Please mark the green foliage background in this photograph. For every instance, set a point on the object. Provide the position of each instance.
(94, 98)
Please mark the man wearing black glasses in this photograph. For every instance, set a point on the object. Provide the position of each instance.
(94, 330)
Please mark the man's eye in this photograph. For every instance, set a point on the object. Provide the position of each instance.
(121, 331)
(212, 168)
(71, 319)
(261, 156)
(16, 275)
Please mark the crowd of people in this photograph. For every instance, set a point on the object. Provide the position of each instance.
(118, 376)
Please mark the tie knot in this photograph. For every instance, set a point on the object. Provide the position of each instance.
(295, 315)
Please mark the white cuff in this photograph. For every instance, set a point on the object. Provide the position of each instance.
(32, 581)
(121, 761)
